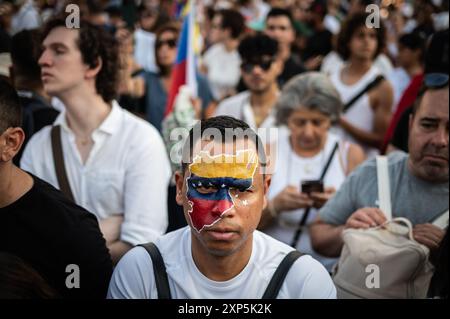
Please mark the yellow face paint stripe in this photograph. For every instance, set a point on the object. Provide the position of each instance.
(242, 165)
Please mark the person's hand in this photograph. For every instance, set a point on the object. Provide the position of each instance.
(290, 199)
(320, 199)
(313, 63)
(365, 218)
(428, 235)
(110, 228)
(197, 104)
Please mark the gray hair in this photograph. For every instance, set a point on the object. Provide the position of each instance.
(311, 90)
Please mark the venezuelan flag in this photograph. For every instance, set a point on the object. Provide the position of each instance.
(184, 71)
(219, 173)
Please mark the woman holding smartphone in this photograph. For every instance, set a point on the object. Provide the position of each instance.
(311, 163)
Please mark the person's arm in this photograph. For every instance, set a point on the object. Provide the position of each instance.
(428, 235)
(110, 228)
(288, 199)
(326, 238)
(381, 101)
(355, 157)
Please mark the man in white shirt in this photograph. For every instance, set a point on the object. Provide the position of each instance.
(261, 65)
(116, 164)
(221, 62)
(222, 188)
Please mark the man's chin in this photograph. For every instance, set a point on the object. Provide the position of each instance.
(435, 173)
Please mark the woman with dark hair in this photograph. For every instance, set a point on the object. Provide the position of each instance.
(366, 95)
(158, 84)
(18, 280)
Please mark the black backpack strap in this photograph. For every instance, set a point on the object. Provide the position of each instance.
(60, 167)
(280, 275)
(307, 210)
(159, 270)
(367, 88)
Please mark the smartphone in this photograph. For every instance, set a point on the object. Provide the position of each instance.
(311, 186)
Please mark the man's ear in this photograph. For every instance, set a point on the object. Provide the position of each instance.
(11, 141)
(179, 180)
(411, 121)
(267, 179)
(93, 71)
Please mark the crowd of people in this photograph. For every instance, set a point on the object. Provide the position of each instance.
(87, 176)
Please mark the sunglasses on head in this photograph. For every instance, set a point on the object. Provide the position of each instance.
(248, 67)
(172, 43)
(436, 80)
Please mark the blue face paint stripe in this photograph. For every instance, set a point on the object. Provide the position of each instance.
(220, 181)
(220, 194)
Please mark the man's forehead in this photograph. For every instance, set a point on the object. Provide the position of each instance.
(61, 35)
(435, 104)
(278, 20)
(231, 148)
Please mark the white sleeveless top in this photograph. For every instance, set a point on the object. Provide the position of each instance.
(291, 169)
(360, 114)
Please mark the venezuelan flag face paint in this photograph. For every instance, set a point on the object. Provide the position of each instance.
(211, 180)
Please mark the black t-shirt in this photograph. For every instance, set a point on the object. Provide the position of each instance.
(401, 133)
(292, 67)
(49, 232)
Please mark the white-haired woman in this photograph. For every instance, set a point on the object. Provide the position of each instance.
(307, 150)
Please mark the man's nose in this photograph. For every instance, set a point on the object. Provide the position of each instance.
(308, 129)
(220, 206)
(44, 59)
(440, 138)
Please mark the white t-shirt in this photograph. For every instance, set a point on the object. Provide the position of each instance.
(239, 107)
(400, 80)
(291, 169)
(360, 114)
(223, 69)
(127, 172)
(144, 50)
(134, 278)
(27, 18)
(332, 62)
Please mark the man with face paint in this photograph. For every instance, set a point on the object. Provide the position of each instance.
(220, 254)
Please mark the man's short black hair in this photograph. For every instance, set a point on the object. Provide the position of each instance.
(25, 51)
(436, 55)
(349, 27)
(222, 124)
(280, 12)
(95, 42)
(414, 41)
(10, 108)
(232, 20)
(256, 46)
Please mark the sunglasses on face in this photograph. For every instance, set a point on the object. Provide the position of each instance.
(436, 80)
(172, 43)
(248, 67)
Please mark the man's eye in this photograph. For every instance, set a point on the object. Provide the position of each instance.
(241, 189)
(206, 189)
(428, 125)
